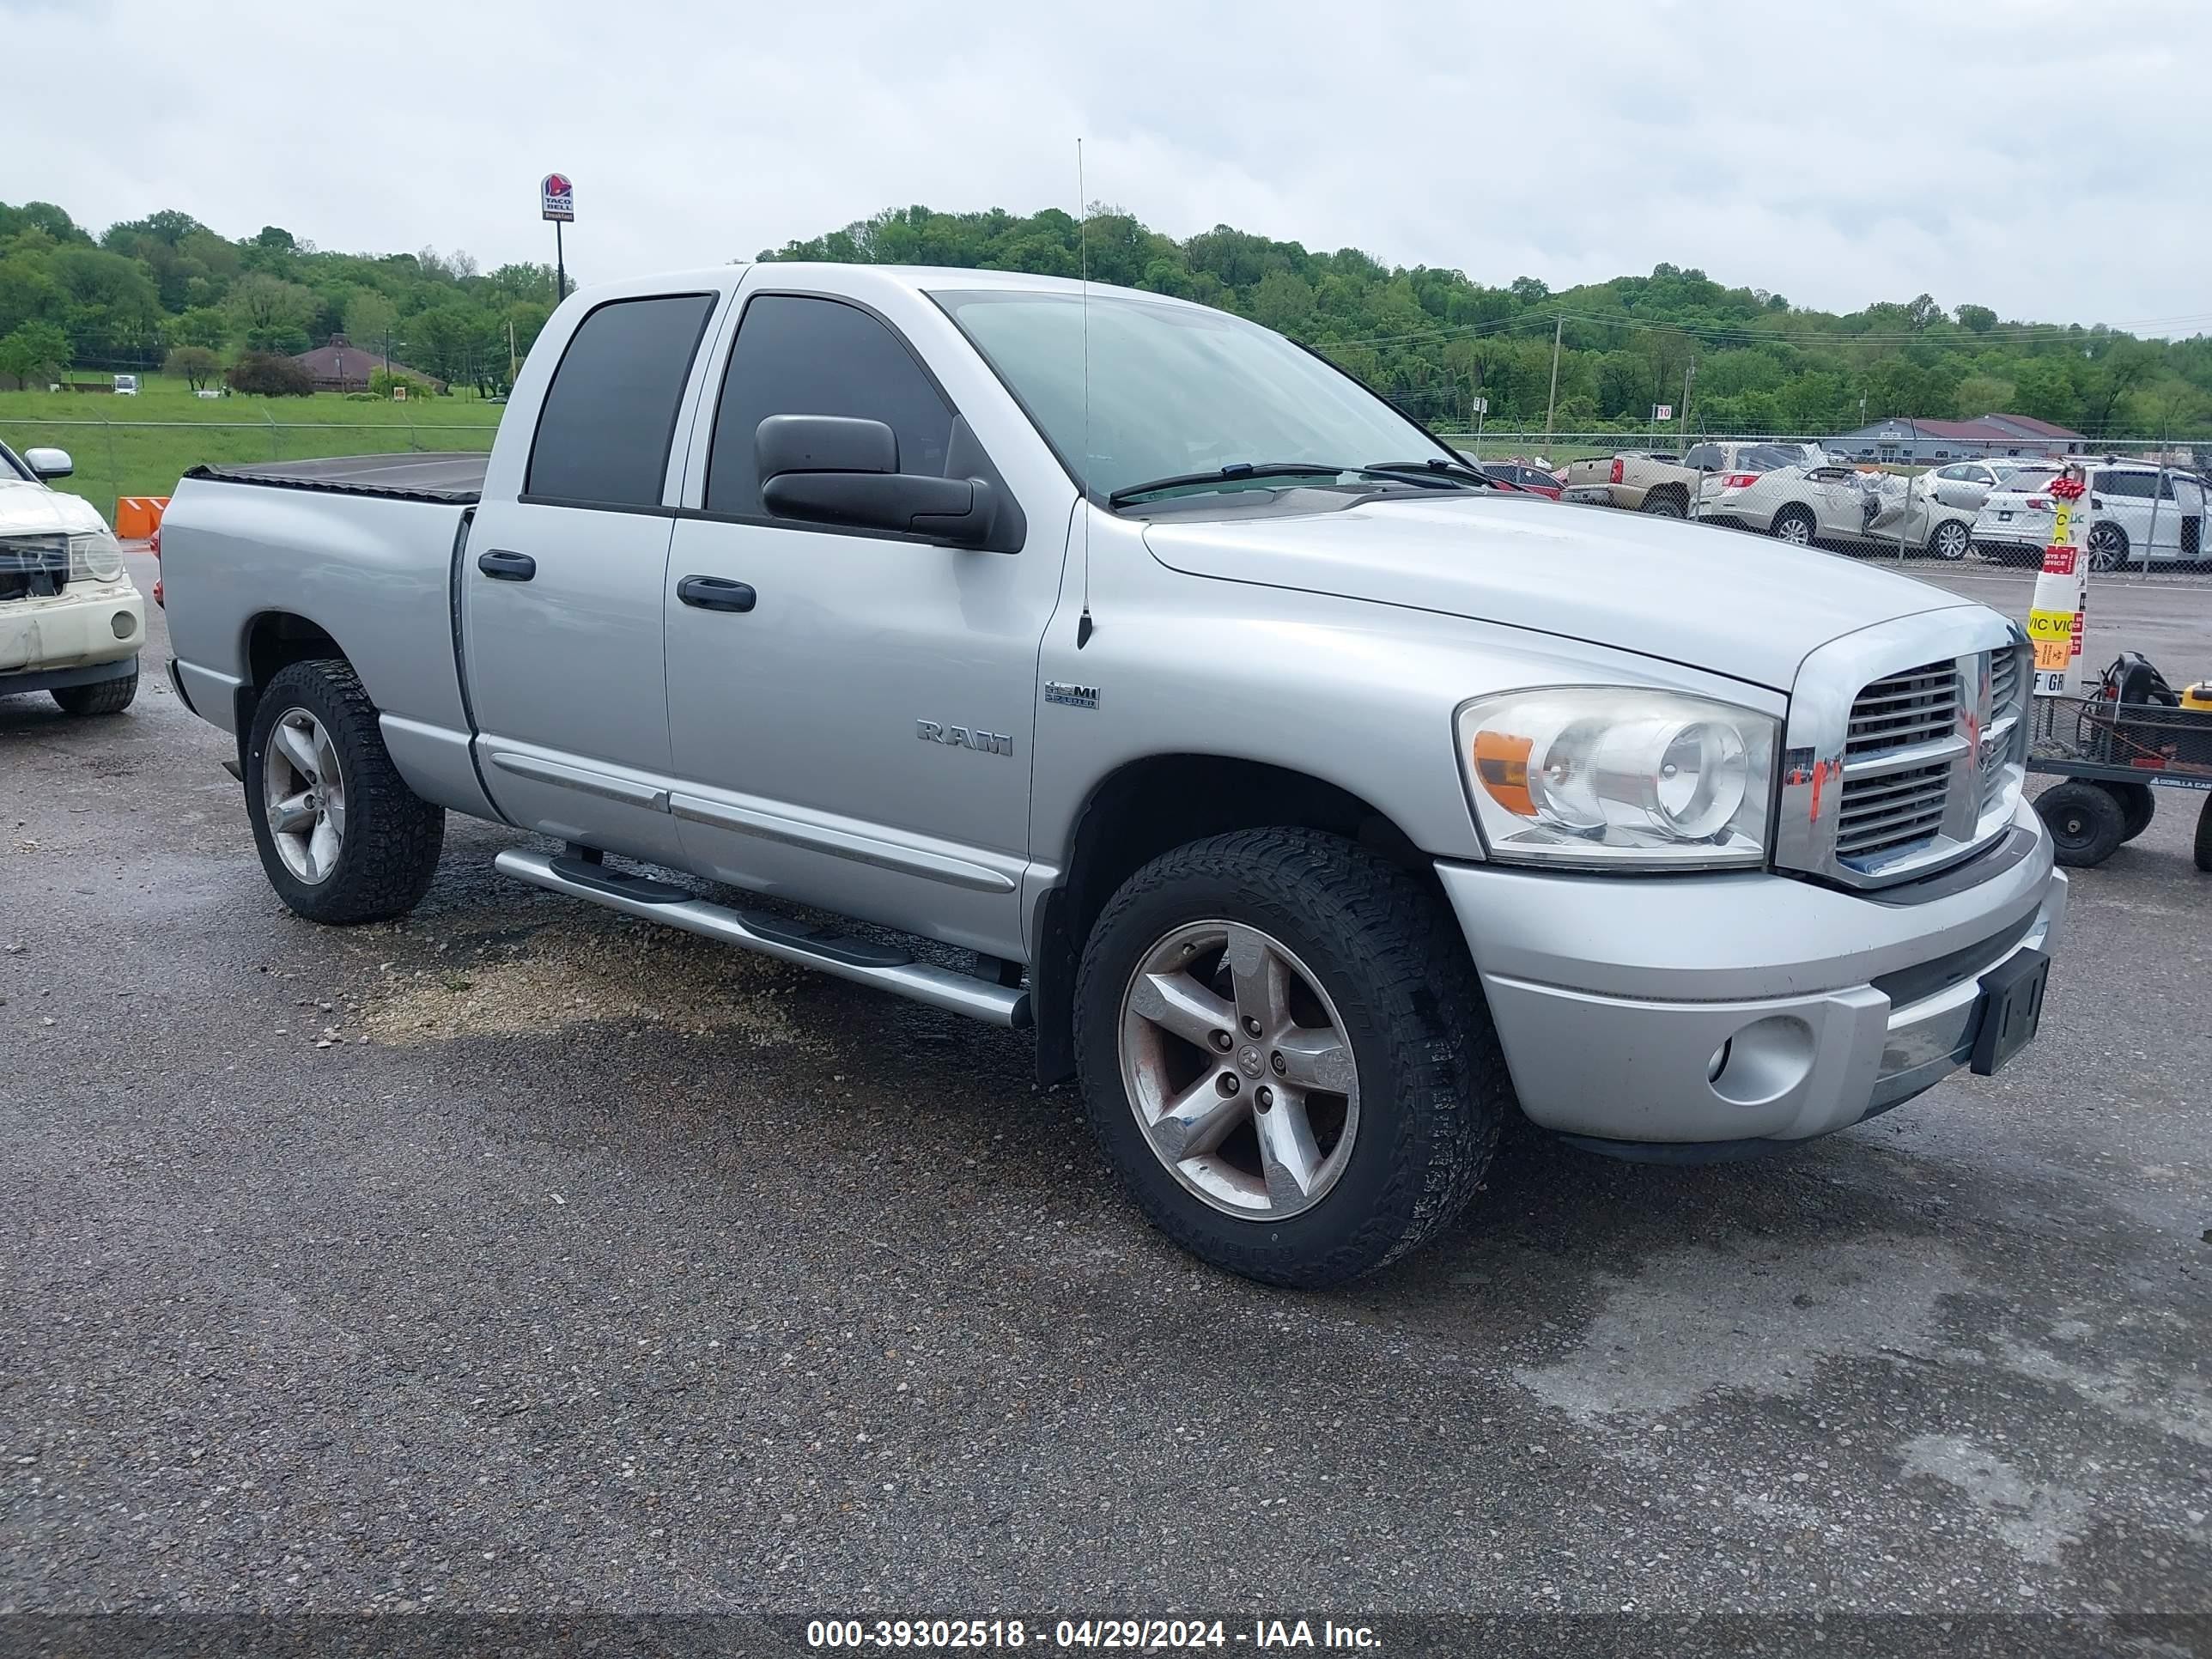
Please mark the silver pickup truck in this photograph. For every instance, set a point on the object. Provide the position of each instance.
(1173, 698)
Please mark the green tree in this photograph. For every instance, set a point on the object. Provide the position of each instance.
(195, 364)
(270, 315)
(368, 318)
(201, 326)
(1977, 319)
(2044, 388)
(34, 354)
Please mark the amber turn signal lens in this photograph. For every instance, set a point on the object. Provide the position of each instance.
(1501, 765)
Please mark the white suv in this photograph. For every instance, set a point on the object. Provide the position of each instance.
(70, 621)
(2139, 513)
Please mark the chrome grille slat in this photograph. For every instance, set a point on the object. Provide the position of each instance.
(1897, 807)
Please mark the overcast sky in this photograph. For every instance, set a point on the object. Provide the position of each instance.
(1835, 154)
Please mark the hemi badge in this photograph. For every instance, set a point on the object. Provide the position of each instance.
(1072, 696)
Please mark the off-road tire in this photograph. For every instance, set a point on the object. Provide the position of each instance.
(2086, 820)
(101, 697)
(392, 835)
(1433, 1087)
(2204, 836)
(2138, 807)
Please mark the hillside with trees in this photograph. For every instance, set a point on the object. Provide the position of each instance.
(1431, 339)
(166, 291)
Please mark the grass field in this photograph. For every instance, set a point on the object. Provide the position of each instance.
(140, 446)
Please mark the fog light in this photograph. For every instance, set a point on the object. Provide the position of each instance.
(123, 624)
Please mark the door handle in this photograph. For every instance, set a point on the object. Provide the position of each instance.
(502, 566)
(715, 593)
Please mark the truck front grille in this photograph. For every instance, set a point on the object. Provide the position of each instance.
(1898, 810)
(1918, 706)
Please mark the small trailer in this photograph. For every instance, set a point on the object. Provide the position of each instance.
(2132, 734)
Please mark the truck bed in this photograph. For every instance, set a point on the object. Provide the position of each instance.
(454, 479)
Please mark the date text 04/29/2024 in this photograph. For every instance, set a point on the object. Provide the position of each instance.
(1118, 1635)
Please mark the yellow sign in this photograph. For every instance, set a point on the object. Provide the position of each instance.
(2061, 522)
(2053, 654)
(2050, 624)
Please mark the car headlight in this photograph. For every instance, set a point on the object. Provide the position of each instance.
(96, 558)
(1618, 778)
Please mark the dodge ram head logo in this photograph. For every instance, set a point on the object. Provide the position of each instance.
(962, 737)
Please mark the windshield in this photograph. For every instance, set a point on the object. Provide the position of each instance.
(9, 462)
(1175, 389)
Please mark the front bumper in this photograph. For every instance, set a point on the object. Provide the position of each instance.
(87, 624)
(1613, 997)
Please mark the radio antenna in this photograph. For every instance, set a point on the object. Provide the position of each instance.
(1082, 266)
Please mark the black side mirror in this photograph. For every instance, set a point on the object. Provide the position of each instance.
(833, 469)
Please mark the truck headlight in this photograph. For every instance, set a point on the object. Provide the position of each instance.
(1618, 778)
(96, 558)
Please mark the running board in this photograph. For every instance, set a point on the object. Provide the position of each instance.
(861, 960)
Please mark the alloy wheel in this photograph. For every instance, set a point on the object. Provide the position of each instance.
(1240, 1070)
(303, 793)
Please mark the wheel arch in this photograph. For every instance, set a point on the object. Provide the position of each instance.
(271, 641)
(1144, 808)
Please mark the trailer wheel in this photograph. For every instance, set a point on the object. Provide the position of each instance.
(2138, 807)
(2204, 837)
(2086, 821)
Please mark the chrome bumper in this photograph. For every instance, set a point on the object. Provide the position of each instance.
(1735, 1009)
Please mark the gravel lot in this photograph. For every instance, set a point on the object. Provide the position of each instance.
(522, 1256)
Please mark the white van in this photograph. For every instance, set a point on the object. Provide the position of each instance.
(126, 385)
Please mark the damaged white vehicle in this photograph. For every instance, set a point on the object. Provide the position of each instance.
(1834, 505)
(70, 621)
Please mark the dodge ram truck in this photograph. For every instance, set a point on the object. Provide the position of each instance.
(1105, 667)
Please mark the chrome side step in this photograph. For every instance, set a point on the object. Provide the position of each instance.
(861, 960)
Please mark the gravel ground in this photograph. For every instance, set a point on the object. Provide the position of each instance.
(521, 1256)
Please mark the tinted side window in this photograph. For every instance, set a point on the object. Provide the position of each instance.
(800, 355)
(609, 415)
(2144, 484)
(1706, 458)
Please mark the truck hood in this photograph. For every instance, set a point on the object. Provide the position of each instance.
(30, 508)
(1723, 601)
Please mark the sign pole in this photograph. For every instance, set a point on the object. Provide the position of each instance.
(559, 267)
(557, 200)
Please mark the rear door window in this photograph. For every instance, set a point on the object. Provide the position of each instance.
(609, 415)
(799, 354)
(2142, 484)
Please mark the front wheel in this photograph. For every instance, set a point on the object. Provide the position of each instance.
(101, 697)
(1285, 1056)
(342, 838)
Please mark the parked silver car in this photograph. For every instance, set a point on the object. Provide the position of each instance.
(1967, 483)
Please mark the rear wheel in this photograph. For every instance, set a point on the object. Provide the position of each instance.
(1666, 504)
(2086, 821)
(1285, 1056)
(101, 696)
(2108, 546)
(342, 838)
(2138, 805)
(1795, 525)
(1951, 540)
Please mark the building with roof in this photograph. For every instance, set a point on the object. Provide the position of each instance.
(1902, 438)
(341, 366)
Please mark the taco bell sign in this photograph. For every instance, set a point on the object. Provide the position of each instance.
(558, 196)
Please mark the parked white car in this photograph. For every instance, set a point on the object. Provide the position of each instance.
(1968, 483)
(2138, 513)
(70, 621)
(1805, 504)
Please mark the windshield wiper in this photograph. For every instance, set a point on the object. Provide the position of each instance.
(1238, 471)
(1437, 468)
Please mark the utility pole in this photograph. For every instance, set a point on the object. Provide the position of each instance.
(511, 370)
(1551, 402)
(1689, 373)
